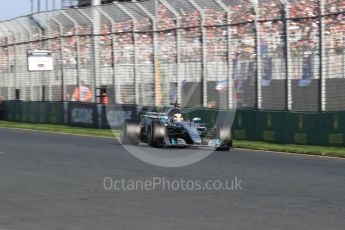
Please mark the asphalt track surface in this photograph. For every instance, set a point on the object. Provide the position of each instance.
(53, 181)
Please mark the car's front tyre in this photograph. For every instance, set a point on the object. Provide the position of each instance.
(130, 134)
(157, 133)
(223, 134)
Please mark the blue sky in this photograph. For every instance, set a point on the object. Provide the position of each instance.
(14, 8)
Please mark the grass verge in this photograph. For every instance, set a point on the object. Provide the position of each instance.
(292, 148)
(289, 148)
(58, 129)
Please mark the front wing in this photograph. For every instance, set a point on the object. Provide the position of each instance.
(212, 143)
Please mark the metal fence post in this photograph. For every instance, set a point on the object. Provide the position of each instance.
(76, 34)
(113, 44)
(30, 74)
(231, 103)
(343, 64)
(288, 93)
(203, 50)
(95, 47)
(288, 56)
(39, 75)
(155, 51)
(45, 32)
(94, 44)
(40, 29)
(258, 56)
(8, 96)
(3, 74)
(136, 77)
(9, 59)
(178, 49)
(46, 82)
(62, 57)
(322, 84)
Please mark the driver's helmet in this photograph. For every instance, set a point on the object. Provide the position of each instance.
(196, 120)
(164, 118)
(177, 117)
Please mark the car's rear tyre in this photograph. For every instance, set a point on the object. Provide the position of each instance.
(156, 134)
(223, 133)
(130, 133)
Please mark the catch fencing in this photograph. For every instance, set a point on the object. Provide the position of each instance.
(265, 54)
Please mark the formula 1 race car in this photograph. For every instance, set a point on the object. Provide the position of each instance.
(169, 129)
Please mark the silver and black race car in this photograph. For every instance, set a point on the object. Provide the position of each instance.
(169, 129)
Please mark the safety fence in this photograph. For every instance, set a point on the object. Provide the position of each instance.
(266, 54)
(284, 127)
(327, 128)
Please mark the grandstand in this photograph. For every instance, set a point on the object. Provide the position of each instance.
(69, 3)
(83, 3)
(272, 55)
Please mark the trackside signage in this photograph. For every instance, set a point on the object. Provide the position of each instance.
(82, 114)
(116, 114)
(40, 60)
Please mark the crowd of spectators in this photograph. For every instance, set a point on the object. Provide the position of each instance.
(334, 39)
(304, 36)
(270, 9)
(272, 41)
(167, 43)
(334, 6)
(304, 8)
(303, 33)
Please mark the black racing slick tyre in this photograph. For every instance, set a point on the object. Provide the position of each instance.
(130, 133)
(156, 134)
(223, 133)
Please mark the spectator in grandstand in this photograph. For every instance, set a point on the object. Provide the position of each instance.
(211, 104)
(304, 8)
(82, 93)
(303, 34)
(306, 70)
(334, 6)
(267, 71)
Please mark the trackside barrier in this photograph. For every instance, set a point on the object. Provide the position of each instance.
(34, 112)
(83, 115)
(13, 111)
(269, 126)
(2, 110)
(212, 116)
(303, 128)
(332, 129)
(114, 115)
(272, 126)
(205, 115)
(244, 125)
(290, 127)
